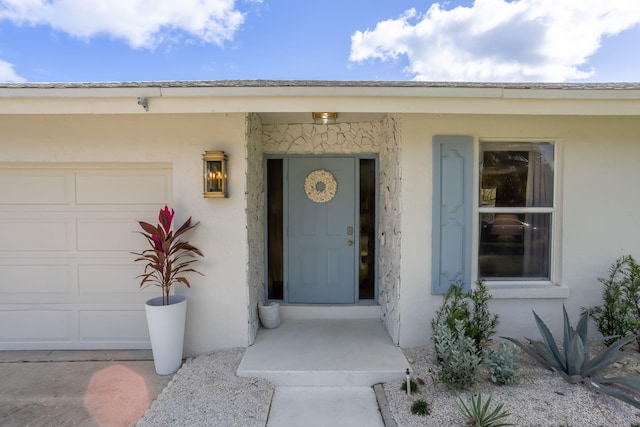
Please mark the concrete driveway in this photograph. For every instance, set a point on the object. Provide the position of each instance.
(77, 388)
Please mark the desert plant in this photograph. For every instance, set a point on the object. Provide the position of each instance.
(470, 308)
(478, 414)
(574, 364)
(420, 407)
(458, 362)
(619, 313)
(503, 365)
(165, 261)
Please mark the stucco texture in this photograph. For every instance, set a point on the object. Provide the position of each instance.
(213, 318)
(597, 219)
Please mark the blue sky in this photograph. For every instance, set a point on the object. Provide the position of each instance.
(481, 40)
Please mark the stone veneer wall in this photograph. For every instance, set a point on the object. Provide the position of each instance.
(352, 138)
(389, 227)
(254, 192)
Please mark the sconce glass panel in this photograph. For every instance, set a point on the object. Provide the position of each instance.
(215, 174)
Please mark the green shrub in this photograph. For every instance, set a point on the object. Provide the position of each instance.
(573, 363)
(413, 385)
(503, 366)
(420, 407)
(458, 362)
(477, 414)
(619, 313)
(472, 310)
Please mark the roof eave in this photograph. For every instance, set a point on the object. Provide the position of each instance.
(257, 96)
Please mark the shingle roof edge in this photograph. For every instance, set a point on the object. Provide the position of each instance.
(322, 83)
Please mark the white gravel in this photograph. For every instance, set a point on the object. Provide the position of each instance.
(207, 392)
(544, 398)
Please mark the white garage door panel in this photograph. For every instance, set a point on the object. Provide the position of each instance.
(108, 235)
(33, 187)
(115, 282)
(67, 275)
(29, 324)
(117, 326)
(34, 279)
(121, 187)
(34, 235)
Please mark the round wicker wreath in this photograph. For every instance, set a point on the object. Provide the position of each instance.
(320, 186)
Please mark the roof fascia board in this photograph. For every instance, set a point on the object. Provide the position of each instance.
(79, 92)
(613, 94)
(417, 105)
(88, 91)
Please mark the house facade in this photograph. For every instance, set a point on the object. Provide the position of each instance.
(531, 188)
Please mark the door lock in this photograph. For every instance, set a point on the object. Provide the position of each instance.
(349, 231)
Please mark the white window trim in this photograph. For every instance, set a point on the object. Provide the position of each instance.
(506, 289)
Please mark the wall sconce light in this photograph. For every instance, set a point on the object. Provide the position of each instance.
(324, 118)
(215, 174)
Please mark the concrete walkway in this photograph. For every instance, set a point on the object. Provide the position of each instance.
(77, 388)
(324, 370)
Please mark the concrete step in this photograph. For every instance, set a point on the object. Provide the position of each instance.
(324, 352)
(323, 311)
(324, 406)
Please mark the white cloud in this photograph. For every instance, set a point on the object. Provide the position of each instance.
(141, 23)
(7, 73)
(498, 40)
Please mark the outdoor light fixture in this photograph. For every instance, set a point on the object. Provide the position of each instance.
(324, 118)
(215, 174)
(144, 103)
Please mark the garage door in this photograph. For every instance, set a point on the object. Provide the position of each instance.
(67, 277)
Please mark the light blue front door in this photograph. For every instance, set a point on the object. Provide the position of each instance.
(322, 233)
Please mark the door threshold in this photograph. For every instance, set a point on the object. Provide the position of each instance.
(329, 311)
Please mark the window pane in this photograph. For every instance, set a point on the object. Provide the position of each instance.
(514, 246)
(275, 218)
(367, 258)
(516, 175)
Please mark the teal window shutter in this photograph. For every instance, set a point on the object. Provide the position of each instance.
(452, 211)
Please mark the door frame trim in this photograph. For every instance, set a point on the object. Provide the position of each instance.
(285, 169)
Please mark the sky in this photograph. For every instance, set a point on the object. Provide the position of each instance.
(371, 40)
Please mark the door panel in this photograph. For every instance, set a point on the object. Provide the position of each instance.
(322, 263)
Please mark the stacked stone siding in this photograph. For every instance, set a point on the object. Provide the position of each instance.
(382, 138)
(255, 220)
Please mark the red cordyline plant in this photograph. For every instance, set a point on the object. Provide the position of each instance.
(166, 260)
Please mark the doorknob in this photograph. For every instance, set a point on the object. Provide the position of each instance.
(350, 243)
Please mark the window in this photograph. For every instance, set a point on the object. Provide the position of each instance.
(516, 211)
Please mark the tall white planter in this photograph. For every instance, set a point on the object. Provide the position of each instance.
(166, 331)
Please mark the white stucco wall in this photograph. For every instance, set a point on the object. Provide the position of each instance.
(598, 217)
(598, 220)
(214, 320)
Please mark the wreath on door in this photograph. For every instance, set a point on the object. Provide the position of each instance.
(320, 186)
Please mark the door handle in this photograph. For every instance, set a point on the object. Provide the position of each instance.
(350, 243)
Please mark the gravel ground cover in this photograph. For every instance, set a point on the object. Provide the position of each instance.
(207, 392)
(544, 398)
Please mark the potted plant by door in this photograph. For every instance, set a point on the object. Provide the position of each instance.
(168, 259)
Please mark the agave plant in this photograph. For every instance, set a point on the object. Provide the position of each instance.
(573, 362)
(478, 415)
(165, 260)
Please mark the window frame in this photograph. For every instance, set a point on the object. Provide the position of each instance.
(505, 287)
